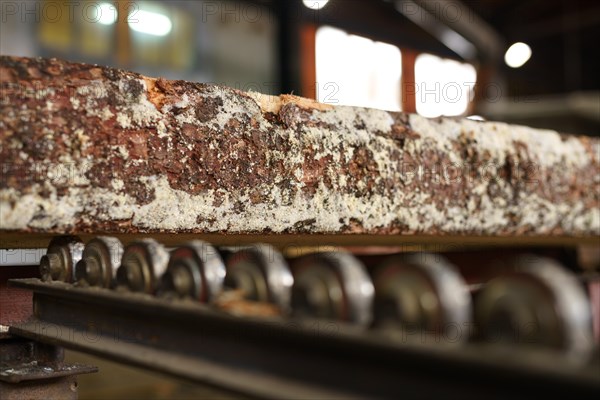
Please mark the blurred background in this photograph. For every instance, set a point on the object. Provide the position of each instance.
(528, 62)
(533, 62)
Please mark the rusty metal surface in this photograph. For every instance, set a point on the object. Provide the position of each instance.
(63, 388)
(33, 370)
(25, 360)
(275, 357)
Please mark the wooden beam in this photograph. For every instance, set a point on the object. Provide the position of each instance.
(308, 59)
(408, 81)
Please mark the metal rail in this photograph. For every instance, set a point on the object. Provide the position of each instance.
(282, 358)
(19, 240)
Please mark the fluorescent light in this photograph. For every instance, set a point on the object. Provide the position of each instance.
(106, 14)
(517, 55)
(150, 23)
(315, 4)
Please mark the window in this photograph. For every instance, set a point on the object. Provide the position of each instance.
(442, 87)
(353, 70)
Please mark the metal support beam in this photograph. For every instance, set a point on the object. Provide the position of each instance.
(457, 26)
(276, 358)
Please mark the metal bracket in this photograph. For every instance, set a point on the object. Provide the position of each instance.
(31, 369)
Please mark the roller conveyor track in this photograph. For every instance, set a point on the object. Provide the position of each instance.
(251, 320)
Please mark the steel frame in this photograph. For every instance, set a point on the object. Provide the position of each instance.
(287, 358)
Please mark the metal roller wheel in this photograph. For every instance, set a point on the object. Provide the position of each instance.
(100, 261)
(421, 291)
(63, 253)
(333, 285)
(539, 303)
(196, 271)
(142, 265)
(261, 273)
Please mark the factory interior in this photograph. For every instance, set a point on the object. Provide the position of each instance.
(528, 63)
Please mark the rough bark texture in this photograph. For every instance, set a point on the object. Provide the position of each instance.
(89, 149)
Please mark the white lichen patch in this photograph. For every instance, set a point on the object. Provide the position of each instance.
(124, 120)
(233, 106)
(545, 147)
(96, 89)
(178, 210)
(19, 214)
(118, 184)
(369, 120)
(106, 114)
(143, 113)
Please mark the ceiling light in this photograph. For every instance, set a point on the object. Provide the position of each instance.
(150, 23)
(517, 55)
(106, 14)
(315, 4)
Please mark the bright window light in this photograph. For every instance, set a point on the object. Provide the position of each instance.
(517, 55)
(315, 4)
(353, 70)
(442, 87)
(106, 14)
(150, 23)
(476, 118)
